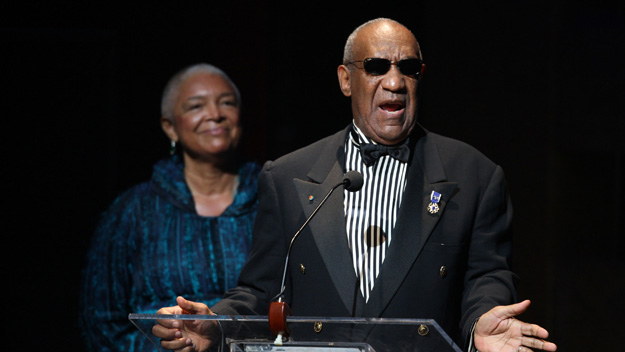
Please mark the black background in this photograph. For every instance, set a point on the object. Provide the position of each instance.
(537, 86)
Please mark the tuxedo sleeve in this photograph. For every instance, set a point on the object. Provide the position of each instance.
(261, 276)
(489, 282)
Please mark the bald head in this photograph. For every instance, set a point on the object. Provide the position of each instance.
(383, 27)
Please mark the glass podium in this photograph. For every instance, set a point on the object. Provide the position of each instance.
(236, 333)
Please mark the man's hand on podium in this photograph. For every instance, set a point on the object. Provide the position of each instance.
(186, 335)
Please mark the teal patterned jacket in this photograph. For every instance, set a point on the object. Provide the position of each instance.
(151, 246)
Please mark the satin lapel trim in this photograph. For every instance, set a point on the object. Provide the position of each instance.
(328, 230)
(414, 226)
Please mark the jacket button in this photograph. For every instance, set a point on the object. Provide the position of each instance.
(302, 268)
(443, 271)
(318, 326)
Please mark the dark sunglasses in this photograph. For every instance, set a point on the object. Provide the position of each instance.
(377, 66)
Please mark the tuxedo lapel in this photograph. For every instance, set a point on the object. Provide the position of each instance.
(328, 225)
(415, 223)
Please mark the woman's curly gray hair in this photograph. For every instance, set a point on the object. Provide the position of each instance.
(170, 93)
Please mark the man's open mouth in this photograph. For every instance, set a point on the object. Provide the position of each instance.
(394, 106)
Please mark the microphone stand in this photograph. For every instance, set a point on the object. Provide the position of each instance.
(278, 309)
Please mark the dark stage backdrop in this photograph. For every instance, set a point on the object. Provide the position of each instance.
(537, 86)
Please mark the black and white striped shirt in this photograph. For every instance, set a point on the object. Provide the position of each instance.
(371, 213)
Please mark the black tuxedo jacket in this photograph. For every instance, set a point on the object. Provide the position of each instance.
(451, 266)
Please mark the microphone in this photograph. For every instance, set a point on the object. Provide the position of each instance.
(353, 181)
(278, 310)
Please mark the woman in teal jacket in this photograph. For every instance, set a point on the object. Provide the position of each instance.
(186, 231)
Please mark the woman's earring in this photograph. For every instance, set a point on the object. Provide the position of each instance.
(172, 148)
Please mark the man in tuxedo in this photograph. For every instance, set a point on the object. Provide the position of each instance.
(427, 236)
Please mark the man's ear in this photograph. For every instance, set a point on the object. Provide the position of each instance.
(345, 80)
(168, 127)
